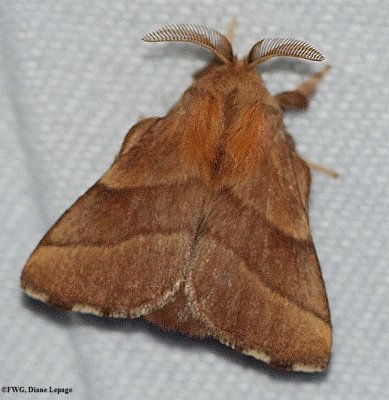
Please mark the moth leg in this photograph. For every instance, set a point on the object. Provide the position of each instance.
(312, 165)
(325, 170)
(298, 99)
(231, 30)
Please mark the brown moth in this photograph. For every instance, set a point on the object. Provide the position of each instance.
(201, 223)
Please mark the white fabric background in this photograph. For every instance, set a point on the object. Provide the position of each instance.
(74, 76)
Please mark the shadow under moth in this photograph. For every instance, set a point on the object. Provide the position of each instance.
(201, 223)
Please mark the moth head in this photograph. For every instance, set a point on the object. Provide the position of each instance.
(222, 48)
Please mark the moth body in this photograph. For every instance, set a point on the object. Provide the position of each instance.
(201, 223)
(236, 119)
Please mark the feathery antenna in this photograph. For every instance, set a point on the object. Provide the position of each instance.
(209, 38)
(272, 47)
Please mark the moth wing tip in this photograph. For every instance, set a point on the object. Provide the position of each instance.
(34, 294)
(259, 355)
(87, 309)
(77, 307)
(98, 312)
(295, 367)
(309, 368)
